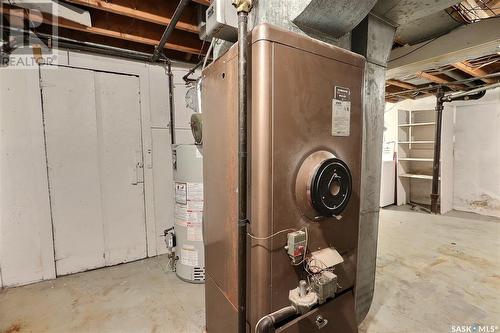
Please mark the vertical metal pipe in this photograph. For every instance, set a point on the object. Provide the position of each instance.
(437, 153)
(171, 101)
(242, 168)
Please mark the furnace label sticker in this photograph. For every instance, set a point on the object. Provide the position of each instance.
(181, 193)
(341, 112)
(189, 256)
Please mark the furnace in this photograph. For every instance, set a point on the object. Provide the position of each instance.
(304, 165)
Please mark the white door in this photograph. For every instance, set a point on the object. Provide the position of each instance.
(94, 158)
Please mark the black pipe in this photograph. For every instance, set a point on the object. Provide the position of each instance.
(169, 29)
(469, 97)
(72, 44)
(242, 168)
(267, 324)
(432, 87)
(437, 153)
(191, 71)
(171, 101)
(441, 99)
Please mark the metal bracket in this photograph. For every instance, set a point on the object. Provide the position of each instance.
(321, 322)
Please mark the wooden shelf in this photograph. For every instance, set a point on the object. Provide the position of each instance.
(416, 142)
(417, 124)
(416, 159)
(416, 176)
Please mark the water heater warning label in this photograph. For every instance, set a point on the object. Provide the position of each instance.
(189, 256)
(341, 112)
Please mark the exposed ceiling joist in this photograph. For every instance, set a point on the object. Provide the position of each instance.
(118, 29)
(160, 13)
(466, 42)
(203, 2)
(406, 85)
(466, 67)
(439, 80)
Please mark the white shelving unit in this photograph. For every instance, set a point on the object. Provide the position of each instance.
(415, 151)
(417, 124)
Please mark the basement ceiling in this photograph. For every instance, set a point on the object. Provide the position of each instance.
(131, 24)
(138, 25)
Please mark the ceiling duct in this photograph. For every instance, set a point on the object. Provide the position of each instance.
(333, 18)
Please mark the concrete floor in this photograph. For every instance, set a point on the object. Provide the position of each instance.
(136, 297)
(432, 272)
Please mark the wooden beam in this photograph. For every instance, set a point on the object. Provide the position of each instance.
(391, 99)
(465, 42)
(104, 27)
(437, 79)
(401, 84)
(203, 2)
(110, 41)
(406, 85)
(141, 10)
(466, 67)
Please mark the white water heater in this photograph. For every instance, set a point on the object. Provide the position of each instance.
(188, 186)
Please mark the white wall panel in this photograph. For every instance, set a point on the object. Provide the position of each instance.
(184, 136)
(117, 65)
(26, 248)
(159, 97)
(477, 155)
(182, 113)
(121, 167)
(163, 184)
(73, 162)
(26, 252)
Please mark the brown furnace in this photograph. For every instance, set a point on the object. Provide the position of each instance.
(304, 162)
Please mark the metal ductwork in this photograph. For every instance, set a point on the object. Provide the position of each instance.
(332, 18)
(321, 19)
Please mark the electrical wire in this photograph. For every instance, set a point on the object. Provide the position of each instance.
(273, 235)
(416, 49)
(212, 43)
(283, 231)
